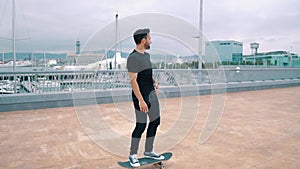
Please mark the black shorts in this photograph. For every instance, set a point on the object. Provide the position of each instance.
(153, 106)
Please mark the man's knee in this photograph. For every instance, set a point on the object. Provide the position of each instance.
(140, 127)
(155, 122)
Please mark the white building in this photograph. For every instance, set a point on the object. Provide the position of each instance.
(117, 62)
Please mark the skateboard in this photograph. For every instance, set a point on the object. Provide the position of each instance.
(147, 161)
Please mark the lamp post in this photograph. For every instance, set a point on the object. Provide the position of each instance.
(200, 34)
(116, 41)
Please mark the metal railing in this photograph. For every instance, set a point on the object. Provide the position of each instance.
(68, 81)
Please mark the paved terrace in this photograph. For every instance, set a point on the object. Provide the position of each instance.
(258, 130)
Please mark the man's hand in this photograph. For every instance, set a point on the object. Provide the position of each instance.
(156, 87)
(143, 106)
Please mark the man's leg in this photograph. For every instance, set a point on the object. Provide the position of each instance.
(154, 117)
(141, 123)
(151, 132)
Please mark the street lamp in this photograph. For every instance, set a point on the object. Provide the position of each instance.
(200, 34)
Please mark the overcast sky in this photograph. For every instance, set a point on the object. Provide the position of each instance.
(55, 25)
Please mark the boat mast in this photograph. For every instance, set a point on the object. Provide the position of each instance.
(3, 57)
(14, 43)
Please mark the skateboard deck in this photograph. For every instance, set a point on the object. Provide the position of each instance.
(146, 161)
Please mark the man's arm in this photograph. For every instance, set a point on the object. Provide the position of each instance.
(137, 92)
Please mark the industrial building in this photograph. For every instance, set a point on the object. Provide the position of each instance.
(231, 52)
(223, 51)
(273, 58)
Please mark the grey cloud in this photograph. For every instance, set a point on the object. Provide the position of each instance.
(55, 24)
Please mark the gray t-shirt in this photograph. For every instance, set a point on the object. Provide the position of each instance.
(141, 64)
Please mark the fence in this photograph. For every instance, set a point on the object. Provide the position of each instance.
(69, 81)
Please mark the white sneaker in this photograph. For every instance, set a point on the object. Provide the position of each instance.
(134, 161)
(153, 155)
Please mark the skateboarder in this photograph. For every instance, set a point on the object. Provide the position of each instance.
(144, 96)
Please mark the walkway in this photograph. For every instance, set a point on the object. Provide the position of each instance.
(258, 130)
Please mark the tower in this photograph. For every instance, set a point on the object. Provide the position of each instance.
(254, 47)
(77, 47)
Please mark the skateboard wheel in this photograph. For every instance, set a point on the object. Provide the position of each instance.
(161, 165)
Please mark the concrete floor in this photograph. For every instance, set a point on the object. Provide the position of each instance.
(258, 130)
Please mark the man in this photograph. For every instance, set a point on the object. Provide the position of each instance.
(144, 96)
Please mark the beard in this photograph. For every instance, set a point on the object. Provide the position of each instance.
(147, 46)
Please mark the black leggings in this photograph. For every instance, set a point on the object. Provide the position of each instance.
(140, 128)
(141, 124)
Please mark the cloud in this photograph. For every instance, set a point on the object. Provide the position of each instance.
(254, 21)
(53, 24)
